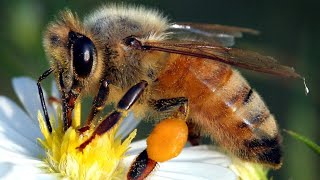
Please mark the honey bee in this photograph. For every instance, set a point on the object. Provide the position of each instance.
(117, 46)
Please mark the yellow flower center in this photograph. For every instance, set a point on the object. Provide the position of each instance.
(248, 170)
(100, 159)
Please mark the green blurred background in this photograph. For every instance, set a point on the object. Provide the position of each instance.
(290, 32)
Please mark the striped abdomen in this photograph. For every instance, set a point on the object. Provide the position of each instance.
(224, 106)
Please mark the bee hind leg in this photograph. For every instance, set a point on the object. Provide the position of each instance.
(172, 104)
(166, 141)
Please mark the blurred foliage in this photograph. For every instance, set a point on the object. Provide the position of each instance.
(312, 145)
(289, 29)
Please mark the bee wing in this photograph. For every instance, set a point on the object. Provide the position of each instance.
(236, 57)
(212, 33)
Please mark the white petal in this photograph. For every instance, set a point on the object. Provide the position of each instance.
(54, 93)
(128, 125)
(18, 158)
(27, 91)
(196, 162)
(137, 147)
(12, 140)
(205, 153)
(12, 171)
(192, 170)
(14, 165)
(45, 176)
(12, 116)
(54, 90)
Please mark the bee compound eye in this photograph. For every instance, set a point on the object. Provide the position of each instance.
(83, 53)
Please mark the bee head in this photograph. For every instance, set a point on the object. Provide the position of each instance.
(73, 53)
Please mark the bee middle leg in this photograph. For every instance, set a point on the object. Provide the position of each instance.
(169, 104)
(122, 108)
(99, 102)
(194, 137)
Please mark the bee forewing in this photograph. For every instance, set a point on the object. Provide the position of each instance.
(212, 33)
(236, 57)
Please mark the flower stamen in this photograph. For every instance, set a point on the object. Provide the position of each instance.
(93, 154)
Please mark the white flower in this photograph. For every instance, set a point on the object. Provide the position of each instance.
(22, 156)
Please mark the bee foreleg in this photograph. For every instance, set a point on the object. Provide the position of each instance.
(68, 99)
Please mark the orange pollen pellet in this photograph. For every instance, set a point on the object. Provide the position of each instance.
(167, 139)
